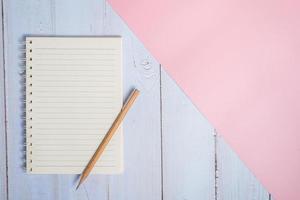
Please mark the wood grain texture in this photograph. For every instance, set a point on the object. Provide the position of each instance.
(188, 147)
(142, 168)
(235, 181)
(3, 171)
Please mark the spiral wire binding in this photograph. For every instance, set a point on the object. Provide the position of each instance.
(22, 74)
(28, 102)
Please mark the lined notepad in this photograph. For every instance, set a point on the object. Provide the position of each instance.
(73, 94)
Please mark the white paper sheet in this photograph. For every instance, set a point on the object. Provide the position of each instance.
(73, 94)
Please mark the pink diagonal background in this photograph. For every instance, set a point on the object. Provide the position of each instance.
(239, 61)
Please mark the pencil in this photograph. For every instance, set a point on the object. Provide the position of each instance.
(114, 127)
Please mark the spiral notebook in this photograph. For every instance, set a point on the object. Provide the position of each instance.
(73, 94)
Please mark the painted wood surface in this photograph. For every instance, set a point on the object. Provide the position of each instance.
(169, 149)
(142, 176)
(35, 17)
(3, 171)
(188, 147)
(141, 144)
(235, 181)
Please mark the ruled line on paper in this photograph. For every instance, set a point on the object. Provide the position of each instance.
(73, 64)
(80, 134)
(76, 75)
(70, 99)
(72, 166)
(105, 156)
(81, 86)
(79, 148)
(74, 118)
(73, 133)
(65, 163)
(76, 48)
(40, 154)
(57, 129)
(73, 70)
(83, 140)
(65, 102)
(77, 54)
(91, 141)
(71, 112)
(64, 157)
(75, 107)
(69, 153)
(68, 91)
(94, 144)
(73, 161)
(77, 96)
(75, 59)
(65, 120)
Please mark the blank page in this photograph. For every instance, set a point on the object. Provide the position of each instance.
(73, 95)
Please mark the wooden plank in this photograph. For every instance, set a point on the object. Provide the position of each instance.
(21, 18)
(235, 181)
(3, 170)
(142, 175)
(34, 17)
(80, 18)
(188, 146)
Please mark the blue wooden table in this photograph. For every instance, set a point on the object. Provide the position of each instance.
(171, 151)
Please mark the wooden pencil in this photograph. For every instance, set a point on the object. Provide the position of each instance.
(114, 127)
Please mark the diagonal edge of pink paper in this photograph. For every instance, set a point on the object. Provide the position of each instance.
(239, 61)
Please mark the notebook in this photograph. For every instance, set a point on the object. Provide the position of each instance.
(73, 94)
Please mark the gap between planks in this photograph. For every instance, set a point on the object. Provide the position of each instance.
(4, 107)
(216, 164)
(161, 135)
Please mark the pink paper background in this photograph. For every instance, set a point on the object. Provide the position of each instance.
(239, 61)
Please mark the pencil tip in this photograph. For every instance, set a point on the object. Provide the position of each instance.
(77, 186)
(79, 183)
